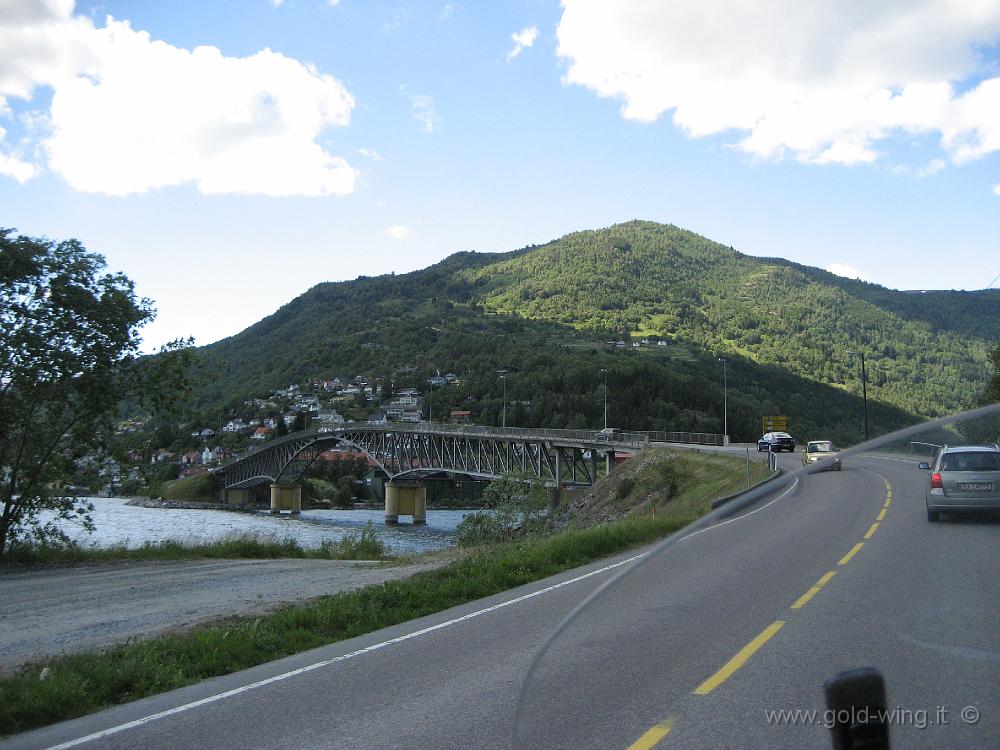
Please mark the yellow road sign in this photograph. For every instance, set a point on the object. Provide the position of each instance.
(773, 423)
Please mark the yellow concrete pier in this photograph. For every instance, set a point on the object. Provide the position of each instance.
(286, 497)
(405, 499)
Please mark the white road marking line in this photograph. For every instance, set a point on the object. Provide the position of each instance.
(737, 518)
(343, 657)
(376, 646)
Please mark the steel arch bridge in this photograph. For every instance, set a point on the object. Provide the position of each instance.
(557, 457)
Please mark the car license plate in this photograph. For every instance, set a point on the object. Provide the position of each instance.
(975, 486)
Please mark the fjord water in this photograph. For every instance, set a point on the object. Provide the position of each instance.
(118, 523)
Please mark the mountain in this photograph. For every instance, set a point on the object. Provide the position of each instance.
(549, 311)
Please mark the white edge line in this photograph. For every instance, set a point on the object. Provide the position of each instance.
(343, 657)
(744, 515)
(376, 646)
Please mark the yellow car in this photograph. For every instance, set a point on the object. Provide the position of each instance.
(822, 451)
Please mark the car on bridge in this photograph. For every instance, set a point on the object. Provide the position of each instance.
(776, 441)
(824, 451)
(609, 435)
(964, 479)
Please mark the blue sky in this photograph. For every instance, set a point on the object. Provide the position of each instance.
(378, 137)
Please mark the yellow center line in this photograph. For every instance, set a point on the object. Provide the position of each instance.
(871, 530)
(888, 502)
(881, 515)
(653, 736)
(739, 660)
(854, 550)
(804, 599)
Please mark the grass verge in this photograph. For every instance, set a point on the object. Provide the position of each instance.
(79, 684)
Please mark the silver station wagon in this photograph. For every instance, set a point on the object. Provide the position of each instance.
(963, 478)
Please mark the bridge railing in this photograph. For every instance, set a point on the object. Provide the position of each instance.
(695, 438)
(627, 439)
(619, 439)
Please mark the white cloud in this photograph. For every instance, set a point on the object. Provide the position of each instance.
(996, 189)
(399, 231)
(822, 82)
(370, 153)
(926, 170)
(522, 39)
(422, 109)
(12, 165)
(845, 270)
(446, 12)
(400, 17)
(131, 114)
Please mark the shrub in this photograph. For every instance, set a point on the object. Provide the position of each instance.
(364, 545)
(482, 527)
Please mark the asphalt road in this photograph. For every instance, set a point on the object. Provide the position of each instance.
(691, 649)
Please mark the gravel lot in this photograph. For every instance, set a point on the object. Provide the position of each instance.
(50, 611)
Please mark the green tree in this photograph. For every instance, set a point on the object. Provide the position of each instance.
(992, 393)
(513, 501)
(69, 357)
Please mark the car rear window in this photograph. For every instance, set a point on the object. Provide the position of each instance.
(971, 461)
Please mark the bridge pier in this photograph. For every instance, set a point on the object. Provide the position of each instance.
(405, 499)
(610, 458)
(286, 497)
(236, 496)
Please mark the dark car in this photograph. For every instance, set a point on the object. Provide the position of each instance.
(776, 441)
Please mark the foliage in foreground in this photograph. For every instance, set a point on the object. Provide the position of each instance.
(79, 684)
(69, 356)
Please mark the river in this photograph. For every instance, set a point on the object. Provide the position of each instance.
(118, 523)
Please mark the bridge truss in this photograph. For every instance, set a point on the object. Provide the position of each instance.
(558, 458)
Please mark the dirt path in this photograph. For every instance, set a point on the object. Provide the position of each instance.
(60, 610)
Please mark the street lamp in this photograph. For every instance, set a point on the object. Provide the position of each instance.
(864, 388)
(725, 401)
(503, 377)
(430, 403)
(605, 374)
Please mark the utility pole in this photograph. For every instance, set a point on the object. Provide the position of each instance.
(725, 401)
(864, 388)
(503, 377)
(864, 392)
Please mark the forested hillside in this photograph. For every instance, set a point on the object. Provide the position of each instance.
(642, 279)
(549, 312)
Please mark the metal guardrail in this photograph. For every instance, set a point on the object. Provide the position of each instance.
(695, 438)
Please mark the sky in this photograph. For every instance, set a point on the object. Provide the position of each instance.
(229, 156)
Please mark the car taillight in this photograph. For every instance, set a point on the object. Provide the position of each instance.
(936, 483)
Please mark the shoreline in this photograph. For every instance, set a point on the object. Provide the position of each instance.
(146, 502)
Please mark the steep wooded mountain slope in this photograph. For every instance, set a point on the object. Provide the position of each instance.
(548, 311)
(926, 353)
